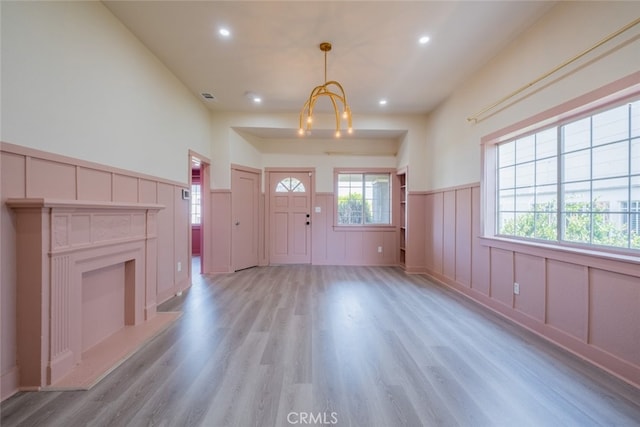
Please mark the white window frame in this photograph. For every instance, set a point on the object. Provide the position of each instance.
(393, 190)
(616, 93)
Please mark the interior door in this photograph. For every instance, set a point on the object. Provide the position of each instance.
(245, 199)
(290, 217)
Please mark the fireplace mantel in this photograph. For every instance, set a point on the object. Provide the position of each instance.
(57, 242)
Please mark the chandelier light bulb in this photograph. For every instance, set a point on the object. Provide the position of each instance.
(337, 134)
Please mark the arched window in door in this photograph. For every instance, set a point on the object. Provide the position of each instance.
(290, 184)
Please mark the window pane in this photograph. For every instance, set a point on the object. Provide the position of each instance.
(577, 227)
(507, 154)
(608, 193)
(635, 156)
(547, 143)
(633, 220)
(547, 198)
(506, 223)
(377, 198)
(350, 198)
(635, 119)
(576, 135)
(297, 186)
(547, 171)
(506, 177)
(525, 224)
(525, 198)
(577, 166)
(525, 174)
(610, 229)
(545, 225)
(611, 125)
(507, 200)
(577, 197)
(635, 188)
(525, 149)
(611, 160)
(195, 204)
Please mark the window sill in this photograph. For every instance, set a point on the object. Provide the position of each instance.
(611, 261)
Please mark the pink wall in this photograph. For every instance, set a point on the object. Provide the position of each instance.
(329, 246)
(584, 303)
(31, 173)
(332, 246)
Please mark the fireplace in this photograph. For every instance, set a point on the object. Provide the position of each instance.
(85, 270)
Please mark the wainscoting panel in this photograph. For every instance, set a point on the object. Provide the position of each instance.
(567, 297)
(463, 236)
(586, 303)
(530, 274)
(614, 310)
(449, 235)
(502, 276)
(29, 173)
(342, 246)
(125, 188)
(480, 254)
(94, 184)
(50, 178)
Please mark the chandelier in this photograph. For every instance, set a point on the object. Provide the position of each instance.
(336, 95)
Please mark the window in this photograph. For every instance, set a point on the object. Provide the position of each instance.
(364, 198)
(290, 184)
(577, 182)
(195, 204)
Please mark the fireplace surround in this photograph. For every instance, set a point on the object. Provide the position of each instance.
(58, 243)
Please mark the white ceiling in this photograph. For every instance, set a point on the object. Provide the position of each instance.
(273, 49)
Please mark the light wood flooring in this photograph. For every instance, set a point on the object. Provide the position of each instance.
(345, 346)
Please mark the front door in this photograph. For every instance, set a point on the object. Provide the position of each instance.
(245, 199)
(290, 217)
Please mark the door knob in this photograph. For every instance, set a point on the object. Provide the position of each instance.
(237, 222)
(308, 223)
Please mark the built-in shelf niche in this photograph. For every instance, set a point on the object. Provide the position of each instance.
(402, 252)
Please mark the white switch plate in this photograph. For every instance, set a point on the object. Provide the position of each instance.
(179, 266)
(318, 209)
(516, 288)
(379, 249)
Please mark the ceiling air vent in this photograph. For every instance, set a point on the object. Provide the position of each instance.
(208, 96)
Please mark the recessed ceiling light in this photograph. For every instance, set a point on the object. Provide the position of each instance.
(382, 102)
(224, 32)
(424, 40)
(257, 99)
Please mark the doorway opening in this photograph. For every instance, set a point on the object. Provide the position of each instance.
(198, 212)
